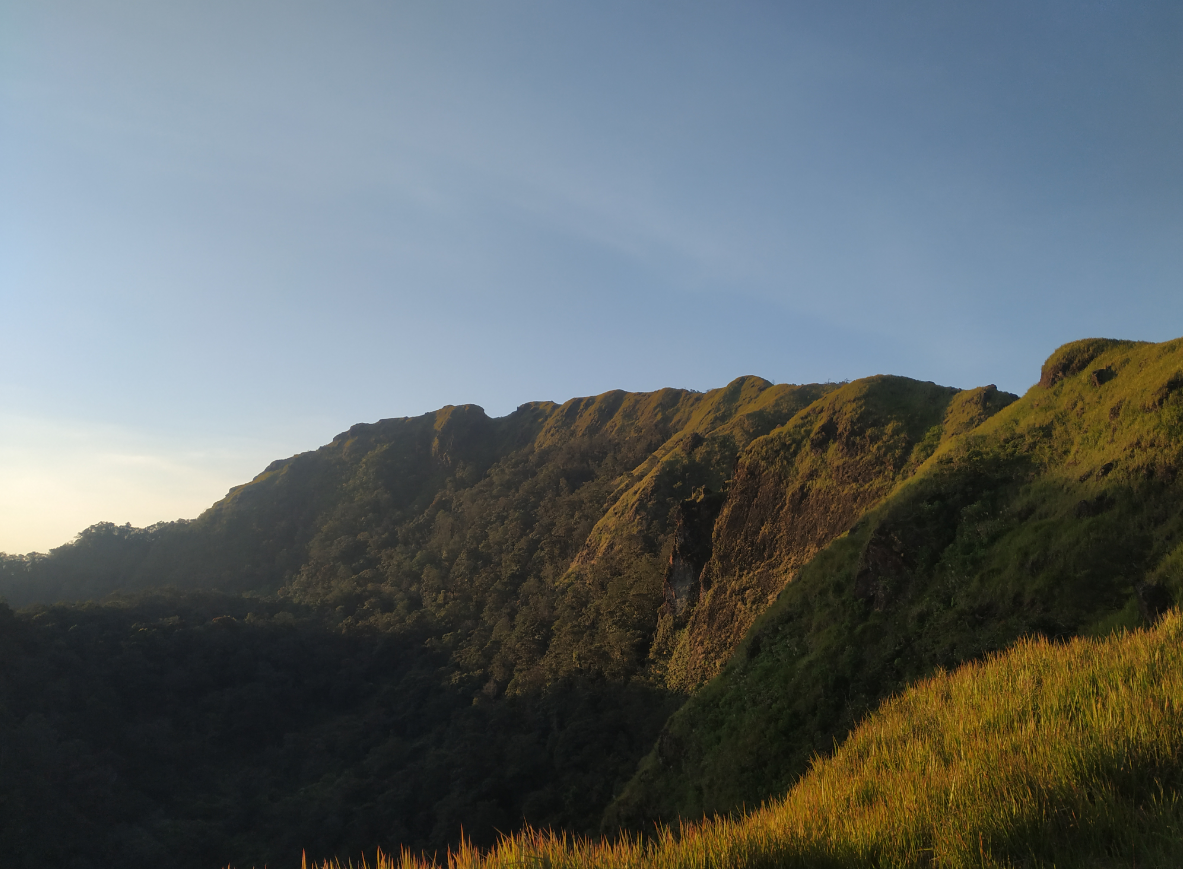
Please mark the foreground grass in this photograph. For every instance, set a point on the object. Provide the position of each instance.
(1048, 754)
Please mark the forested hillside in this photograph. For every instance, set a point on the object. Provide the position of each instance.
(585, 616)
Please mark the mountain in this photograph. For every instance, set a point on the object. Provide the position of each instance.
(1060, 515)
(588, 616)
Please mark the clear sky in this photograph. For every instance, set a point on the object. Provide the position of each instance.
(230, 230)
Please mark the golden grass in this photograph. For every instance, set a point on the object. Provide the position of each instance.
(1046, 754)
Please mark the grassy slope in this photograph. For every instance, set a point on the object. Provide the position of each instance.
(1060, 515)
(798, 488)
(1066, 754)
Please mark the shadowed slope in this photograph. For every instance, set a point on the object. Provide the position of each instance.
(1059, 515)
(1047, 754)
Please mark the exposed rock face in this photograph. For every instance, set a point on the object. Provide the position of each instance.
(1153, 600)
(796, 490)
(883, 565)
(703, 442)
(1089, 507)
(1164, 392)
(1101, 376)
(695, 524)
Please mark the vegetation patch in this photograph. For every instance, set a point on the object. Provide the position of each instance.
(1049, 754)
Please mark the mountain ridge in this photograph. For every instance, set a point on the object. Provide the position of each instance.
(647, 605)
(1057, 515)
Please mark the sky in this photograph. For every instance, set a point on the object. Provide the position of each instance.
(230, 230)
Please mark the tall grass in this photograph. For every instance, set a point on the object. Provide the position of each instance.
(1048, 754)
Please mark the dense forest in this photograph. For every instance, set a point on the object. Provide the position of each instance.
(585, 616)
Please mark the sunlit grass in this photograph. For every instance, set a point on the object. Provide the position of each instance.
(1047, 754)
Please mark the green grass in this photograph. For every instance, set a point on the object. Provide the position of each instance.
(1048, 754)
(1061, 515)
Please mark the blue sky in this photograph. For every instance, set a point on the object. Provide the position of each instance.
(229, 230)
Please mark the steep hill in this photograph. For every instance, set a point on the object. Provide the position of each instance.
(802, 485)
(622, 608)
(1059, 515)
